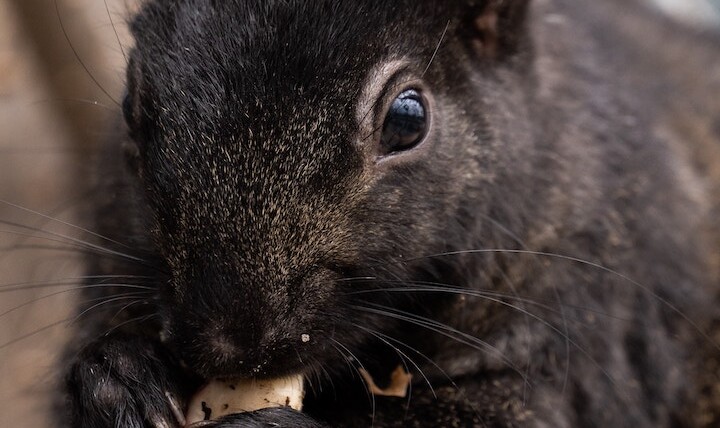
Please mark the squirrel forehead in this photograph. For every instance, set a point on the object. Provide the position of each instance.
(262, 48)
(265, 72)
(266, 86)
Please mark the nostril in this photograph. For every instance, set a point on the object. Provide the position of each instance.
(224, 348)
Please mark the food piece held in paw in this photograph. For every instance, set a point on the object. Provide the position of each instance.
(224, 397)
(399, 382)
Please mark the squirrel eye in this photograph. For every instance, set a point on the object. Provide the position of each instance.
(405, 124)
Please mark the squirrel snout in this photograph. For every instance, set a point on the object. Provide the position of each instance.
(224, 348)
(236, 349)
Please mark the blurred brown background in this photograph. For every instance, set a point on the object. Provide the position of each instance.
(51, 112)
(53, 109)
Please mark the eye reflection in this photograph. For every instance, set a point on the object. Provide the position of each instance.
(406, 122)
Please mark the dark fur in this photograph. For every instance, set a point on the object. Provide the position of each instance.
(254, 197)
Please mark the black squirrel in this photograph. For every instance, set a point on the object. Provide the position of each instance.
(514, 199)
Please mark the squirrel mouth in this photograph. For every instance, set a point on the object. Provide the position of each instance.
(220, 358)
(213, 350)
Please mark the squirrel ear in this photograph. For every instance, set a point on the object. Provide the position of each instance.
(496, 28)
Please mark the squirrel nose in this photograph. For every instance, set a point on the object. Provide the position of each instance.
(223, 348)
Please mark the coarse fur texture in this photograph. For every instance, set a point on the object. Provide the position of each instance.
(546, 257)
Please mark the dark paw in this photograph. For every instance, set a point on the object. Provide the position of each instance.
(125, 382)
(278, 417)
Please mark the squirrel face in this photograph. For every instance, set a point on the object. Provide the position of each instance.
(283, 158)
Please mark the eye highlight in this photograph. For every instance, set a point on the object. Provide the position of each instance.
(405, 124)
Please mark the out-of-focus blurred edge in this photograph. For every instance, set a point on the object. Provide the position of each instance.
(48, 24)
(702, 13)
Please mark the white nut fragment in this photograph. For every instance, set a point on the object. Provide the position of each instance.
(224, 397)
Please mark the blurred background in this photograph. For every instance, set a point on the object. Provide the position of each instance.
(61, 78)
(52, 110)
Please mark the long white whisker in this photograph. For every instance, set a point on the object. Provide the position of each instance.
(65, 281)
(58, 293)
(402, 354)
(103, 303)
(34, 332)
(426, 358)
(371, 394)
(647, 289)
(67, 240)
(440, 328)
(541, 320)
(65, 223)
(437, 48)
(436, 287)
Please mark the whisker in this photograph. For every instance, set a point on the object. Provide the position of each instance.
(347, 360)
(69, 320)
(67, 248)
(80, 244)
(64, 239)
(357, 278)
(371, 394)
(564, 257)
(440, 328)
(426, 358)
(57, 293)
(34, 333)
(67, 281)
(103, 303)
(403, 357)
(437, 48)
(504, 229)
(77, 55)
(403, 83)
(435, 287)
(117, 36)
(541, 320)
(85, 101)
(308, 377)
(64, 223)
(117, 314)
(126, 322)
(22, 247)
(321, 367)
(62, 207)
